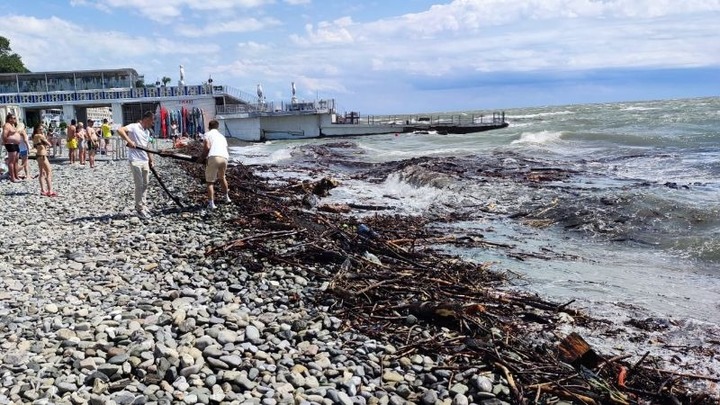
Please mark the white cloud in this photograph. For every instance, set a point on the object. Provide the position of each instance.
(56, 44)
(521, 35)
(252, 46)
(334, 32)
(228, 27)
(166, 11)
(344, 52)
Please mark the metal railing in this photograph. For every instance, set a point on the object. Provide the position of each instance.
(462, 119)
(58, 97)
(238, 94)
(283, 108)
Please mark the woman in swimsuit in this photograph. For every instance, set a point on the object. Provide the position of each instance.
(41, 144)
(11, 139)
(24, 153)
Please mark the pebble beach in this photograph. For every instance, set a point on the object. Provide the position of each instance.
(98, 306)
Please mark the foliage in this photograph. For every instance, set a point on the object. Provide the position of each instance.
(166, 80)
(10, 62)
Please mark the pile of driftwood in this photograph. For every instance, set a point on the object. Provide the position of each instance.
(386, 280)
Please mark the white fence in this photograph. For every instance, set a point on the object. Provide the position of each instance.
(112, 148)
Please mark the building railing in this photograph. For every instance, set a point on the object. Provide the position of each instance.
(38, 82)
(60, 97)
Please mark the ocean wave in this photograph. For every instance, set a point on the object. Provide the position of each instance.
(541, 137)
(259, 154)
(540, 115)
(639, 108)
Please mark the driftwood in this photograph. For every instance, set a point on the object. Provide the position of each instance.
(171, 154)
(386, 280)
(576, 351)
(164, 187)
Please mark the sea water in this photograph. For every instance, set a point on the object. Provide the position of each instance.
(631, 231)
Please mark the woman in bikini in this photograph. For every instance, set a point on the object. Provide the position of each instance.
(41, 145)
(11, 139)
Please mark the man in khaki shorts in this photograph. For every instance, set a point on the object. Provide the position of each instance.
(216, 153)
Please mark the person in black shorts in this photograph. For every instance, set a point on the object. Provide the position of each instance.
(11, 139)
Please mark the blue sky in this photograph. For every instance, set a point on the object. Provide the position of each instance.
(389, 56)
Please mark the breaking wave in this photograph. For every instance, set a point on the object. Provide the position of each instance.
(541, 137)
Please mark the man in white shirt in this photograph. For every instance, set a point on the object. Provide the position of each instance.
(216, 153)
(138, 134)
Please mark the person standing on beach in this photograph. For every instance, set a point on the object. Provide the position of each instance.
(106, 134)
(134, 135)
(82, 142)
(72, 141)
(215, 152)
(93, 142)
(23, 153)
(41, 145)
(11, 139)
(54, 138)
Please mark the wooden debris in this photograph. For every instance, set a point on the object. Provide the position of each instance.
(576, 351)
(424, 301)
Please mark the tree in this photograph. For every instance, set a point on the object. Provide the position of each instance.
(10, 62)
(166, 80)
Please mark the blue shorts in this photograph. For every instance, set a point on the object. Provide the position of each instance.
(23, 153)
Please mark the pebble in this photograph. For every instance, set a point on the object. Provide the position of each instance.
(101, 308)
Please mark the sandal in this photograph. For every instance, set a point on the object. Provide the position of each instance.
(53, 194)
(44, 193)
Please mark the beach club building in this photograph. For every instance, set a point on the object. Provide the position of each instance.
(123, 95)
(120, 92)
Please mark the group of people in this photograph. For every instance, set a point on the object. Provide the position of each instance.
(83, 141)
(137, 136)
(17, 145)
(215, 154)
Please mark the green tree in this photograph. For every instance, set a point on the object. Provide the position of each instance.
(10, 62)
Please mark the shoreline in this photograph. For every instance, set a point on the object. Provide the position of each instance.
(99, 306)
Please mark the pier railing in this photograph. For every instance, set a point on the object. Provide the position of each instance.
(461, 119)
(494, 119)
(282, 108)
(245, 97)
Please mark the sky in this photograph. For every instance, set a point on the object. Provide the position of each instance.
(389, 56)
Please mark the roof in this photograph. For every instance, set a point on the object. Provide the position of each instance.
(76, 72)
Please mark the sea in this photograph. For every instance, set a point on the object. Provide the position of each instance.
(615, 207)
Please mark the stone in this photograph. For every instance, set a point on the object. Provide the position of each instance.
(429, 397)
(227, 336)
(252, 334)
(392, 376)
(460, 399)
